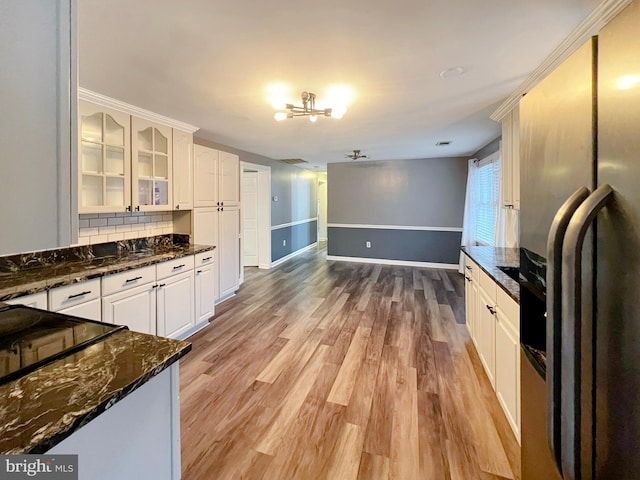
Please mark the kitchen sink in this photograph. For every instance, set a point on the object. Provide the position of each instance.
(511, 272)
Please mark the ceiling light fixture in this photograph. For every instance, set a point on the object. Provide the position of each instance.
(355, 155)
(308, 109)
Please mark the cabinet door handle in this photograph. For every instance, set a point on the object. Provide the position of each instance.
(154, 286)
(128, 209)
(222, 204)
(179, 266)
(81, 294)
(137, 208)
(468, 267)
(468, 278)
(218, 204)
(162, 285)
(222, 209)
(178, 207)
(132, 279)
(508, 205)
(199, 271)
(491, 309)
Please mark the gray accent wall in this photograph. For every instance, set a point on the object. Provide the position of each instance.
(296, 237)
(296, 190)
(405, 245)
(407, 193)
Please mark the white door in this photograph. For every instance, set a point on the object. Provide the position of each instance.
(229, 254)
(135, 308)
(250, 218)
(175, 305)
(205, 296)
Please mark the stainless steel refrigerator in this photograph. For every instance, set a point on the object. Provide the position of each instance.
(580, 262)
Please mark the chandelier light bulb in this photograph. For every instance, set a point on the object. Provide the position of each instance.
(313, 118)
(279, 116)
(338, 111)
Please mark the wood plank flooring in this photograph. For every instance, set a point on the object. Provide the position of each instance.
(333, 370)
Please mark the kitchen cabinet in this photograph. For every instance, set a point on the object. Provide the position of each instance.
(176, 296)
(35, 300)
(129, 298)
(151, 166)
(183, 177)
(228, 179)
(134, 307)
(493, 320)
(104, 159)
(205, 168)
(229, 255)
(510, 170)
(79, 299)
(205, 232)
(205, 287)
(38, 125)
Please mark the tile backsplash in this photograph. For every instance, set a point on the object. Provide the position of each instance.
(110, 227)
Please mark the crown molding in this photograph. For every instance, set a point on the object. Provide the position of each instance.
(88, 95)
(591, 25)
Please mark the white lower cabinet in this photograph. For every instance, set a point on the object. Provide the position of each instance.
(508, 370)
(493, 319)
(485, 333)
(35, 300)
(134, 307)
(175, 314)
(205, 287)
(80, 299)
(229, 243)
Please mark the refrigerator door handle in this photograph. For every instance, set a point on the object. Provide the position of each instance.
(554, 289)
(571, 320)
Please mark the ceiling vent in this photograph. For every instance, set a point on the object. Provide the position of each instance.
(443, 143)
(293, 161)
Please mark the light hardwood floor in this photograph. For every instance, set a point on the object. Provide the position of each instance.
(332, 370)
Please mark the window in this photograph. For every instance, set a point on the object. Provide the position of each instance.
(487, 199)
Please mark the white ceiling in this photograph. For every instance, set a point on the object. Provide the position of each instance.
(210, 63)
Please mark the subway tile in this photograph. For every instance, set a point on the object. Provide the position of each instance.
(130, 220)
(123, 228)
(116, 221)
(130, 235)
(107, 215)
(123, 214)
(156, 218)
(87, 216)
(88, 232)
(107, 230)
(167, 218)
(84, 241)
(99, 239)
(83, 223)
(98, 222)
(114, 237)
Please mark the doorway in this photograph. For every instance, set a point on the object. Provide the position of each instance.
(322, 210)
(256, 215)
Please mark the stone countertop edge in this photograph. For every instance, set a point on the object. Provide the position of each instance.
(489, 258)
(43, 408)
(46, 278)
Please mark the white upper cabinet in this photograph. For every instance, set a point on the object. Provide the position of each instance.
(205, 160)
(182, 170)
(511, 159)
(229, 179)
(151, 165)
(105, 159)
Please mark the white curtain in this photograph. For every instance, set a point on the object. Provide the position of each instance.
(469, 219)
(500, 212)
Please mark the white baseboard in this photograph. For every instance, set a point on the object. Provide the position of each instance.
(193, 330)
(226, 297)
(294, 254)
(401, 263)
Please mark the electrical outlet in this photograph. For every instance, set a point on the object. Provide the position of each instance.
(368, 244)
(284, 243)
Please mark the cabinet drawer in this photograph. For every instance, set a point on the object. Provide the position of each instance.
(173, 267)
(129, 279)
(204, 258)
(471, 268)
(35, 300)
(488, 284)
(71, 295)
(510, 309)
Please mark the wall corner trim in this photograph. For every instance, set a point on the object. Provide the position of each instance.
(590, 26)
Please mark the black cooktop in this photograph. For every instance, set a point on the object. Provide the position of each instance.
(31, 338)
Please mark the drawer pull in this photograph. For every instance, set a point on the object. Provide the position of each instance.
(491, 309)
(179, 266)
(469, 268)
(199, 271)
(81, 294)
(206, 259)
(132, 279)
(468, 278)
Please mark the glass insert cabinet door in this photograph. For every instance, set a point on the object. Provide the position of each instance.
(105, 159)
(151, 165)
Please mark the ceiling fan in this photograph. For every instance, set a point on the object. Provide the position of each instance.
(355, 155)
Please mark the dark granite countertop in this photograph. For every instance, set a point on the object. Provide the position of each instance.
(39, 271)
(489, 258)
(44, 407)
